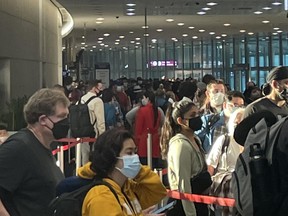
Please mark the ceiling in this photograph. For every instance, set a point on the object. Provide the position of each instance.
(238, 13)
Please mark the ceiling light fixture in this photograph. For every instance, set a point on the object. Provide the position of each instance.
(131, 5)
(117, 40)
(121, 36)
(106, 45)
(145, 27)
(130, 9)
(116, 43)
(169, 20)
(275, 33)
(201, 30)
(191, 27)
(146, 35)
(226, 24)
(132, 42)
(131, 32)
(180, 24)
(276, 3)
(159, 30)
(154, 40)
(279, 31)
(242, 31)
(138, 43)
(184, 35)
(130, 14)
(218, 37)
(99, 22)
(106, 34)
(100, 19)
(265, 21)
(194, 37)
(94, 47)
(258, 12)
(211, 33)
(276, 28)
(206, 8)
(224, 35)
(250, 33)
(211, 3)
(137, 39)
(201, 13)
(99, 42)
(100, 39)
(266, 8)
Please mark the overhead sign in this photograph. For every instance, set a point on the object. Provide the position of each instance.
(170, 63)
(102, 71)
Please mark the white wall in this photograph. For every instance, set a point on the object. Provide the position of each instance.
(30, 40)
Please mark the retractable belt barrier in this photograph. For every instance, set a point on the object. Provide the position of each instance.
(200, 198)
(71, 143)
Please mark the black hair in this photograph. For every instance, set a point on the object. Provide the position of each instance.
(187, 89)
(107, 95)
(232, 94)
(207, 78)
(151, 96)
(106, 150)
(93, 83)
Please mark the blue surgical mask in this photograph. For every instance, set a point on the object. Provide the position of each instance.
(131, 165)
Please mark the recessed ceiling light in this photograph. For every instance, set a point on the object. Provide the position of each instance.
(169, 20)
(279, 31)
(173, 38)
(131, 32)
(138, 43)
(130, 9)
(117, 40)
(99, 41)
(131, 5)
(276, 28)
(265, 21)
(258, 12)
(224, 35)
(211, 3)
(137, 39)
(276, 3)
(83, 36)
(94, 46)
(159, 30)
(201, 30)
(211, 33)
(180, 24)
(145, 27)
(82, 43)
(226, 24)
(100, 19)
(194, 37)
(201, 13)
(184, 35)
(191, 27)
(100, 38)
(99, 22)
(116, 43)
(206, 8)
(154, 40)
(130, 14)
(132, 42)
(102, 44)
(106, 34)
(274, 33)
(250, 33)
(106, 45)
(242, 31)
(121, 36)
(91, 50)
(266, 8)
(146, 35)
(217, 37)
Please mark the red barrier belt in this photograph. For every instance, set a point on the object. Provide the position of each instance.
(72, 142)
(202, 199)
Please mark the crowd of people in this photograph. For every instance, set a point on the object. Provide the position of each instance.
(191, 124)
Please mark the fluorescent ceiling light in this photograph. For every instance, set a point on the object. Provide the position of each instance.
(116, 43)
(265, 21)
(194, 37)
(279, 31)
(131, 5)
(258, 12)
(250, 33)
(224, 35)
(276, 28)
(159, 30)
(100, 19)
(137, 39)
(102, 44)
(121, 36)
(201, 30)
(226, 24)
(117, 40)
(242, 30)
(218, 37)
(276, 3)
(191, 27)
(184, 35)
(100, 39)
(211, 33)
(132, 42)
(180, 24)
(266, 8)
(106, 34)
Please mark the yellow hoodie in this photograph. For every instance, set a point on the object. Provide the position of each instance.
(140, 193)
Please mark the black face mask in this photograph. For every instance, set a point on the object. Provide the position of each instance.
(195, 123)
(60, 128)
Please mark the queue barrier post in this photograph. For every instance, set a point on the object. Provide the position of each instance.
(78, 155)
(60, 158)
(149, 149)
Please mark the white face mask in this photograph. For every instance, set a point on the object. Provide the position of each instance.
(144, 101)
(131, 165)
(119, 88)
(217, 99)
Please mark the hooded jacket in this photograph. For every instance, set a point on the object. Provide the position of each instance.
(140, 193)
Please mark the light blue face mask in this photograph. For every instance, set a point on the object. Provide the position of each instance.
(131, 165)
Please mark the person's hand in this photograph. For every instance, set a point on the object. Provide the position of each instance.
(148, 212)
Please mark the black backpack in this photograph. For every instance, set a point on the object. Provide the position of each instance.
(80, 123)
(70, 204)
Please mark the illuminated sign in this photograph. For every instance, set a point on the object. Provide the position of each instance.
(170, 63)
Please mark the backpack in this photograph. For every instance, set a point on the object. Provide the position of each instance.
(79, 117)
(71, 203)
(254, 181)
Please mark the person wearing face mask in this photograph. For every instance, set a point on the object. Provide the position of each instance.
(276, 98)
(28, 170)
(215, 125)
(115, 161)
(221, 162)
(187, 169)
(148, 120)
(215, 92)
(97, 114)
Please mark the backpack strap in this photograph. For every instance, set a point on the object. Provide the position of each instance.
(98, 181)
(225, 143)
(91, 98)
(211, 121)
